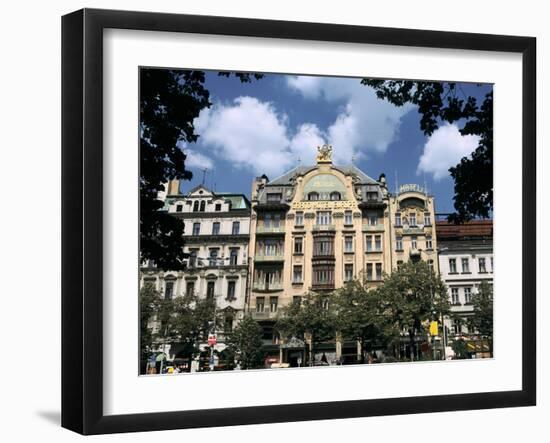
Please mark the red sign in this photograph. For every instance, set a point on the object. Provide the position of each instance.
(212, 340)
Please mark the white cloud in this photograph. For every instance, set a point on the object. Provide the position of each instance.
(445, 148)
(254, 135)
(248, 133)
(308, 136)
(365, 123)
(198, 160)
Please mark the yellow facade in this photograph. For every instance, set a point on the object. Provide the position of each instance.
(316, 227)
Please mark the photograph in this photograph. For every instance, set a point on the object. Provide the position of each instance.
(299, 221)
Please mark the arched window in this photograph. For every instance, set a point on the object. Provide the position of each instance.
(313, 196)
(335, 196)
(203, 205)
(196, 206)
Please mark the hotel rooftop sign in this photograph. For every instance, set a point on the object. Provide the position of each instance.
(411, 188)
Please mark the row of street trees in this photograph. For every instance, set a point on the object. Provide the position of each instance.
(377, 318)
(406, 302)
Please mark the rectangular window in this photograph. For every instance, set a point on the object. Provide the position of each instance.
(399, 243)
(277, 221)
(323, 276)
(210, 286)
(273, 301)
(452, 265)
(299, 219)
(213, 259)
(298, 245)
(431, 265)
(260, 303)
(215, 228)
(414, 243)
(323, 246)
(228, 324)
(373, 220)
(236, 228)
(378, 271)
(267, 220)
(190, 288)
(169, 290)
(324, 218)
(457, 326)
(372, 196)
(412, 219)
(196, 228)
(397, 219)
(465, 265)
(369, 243)
(348, 243)
(297, 274)
(179, 208)
(348, 218)
(369, 271)
(192, 258)
(427, 219)
(233, 256)
(454, 296)
(348, 272)
(274, 197)
(218, 207)
(468, 295)
(429, 242)
(377, 242)
(230, 290)
(482, 268)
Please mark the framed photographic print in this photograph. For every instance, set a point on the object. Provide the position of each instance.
(269, 221)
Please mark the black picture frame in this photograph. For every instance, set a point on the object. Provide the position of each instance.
(82, 218)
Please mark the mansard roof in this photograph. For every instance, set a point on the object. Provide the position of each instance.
(287, 178)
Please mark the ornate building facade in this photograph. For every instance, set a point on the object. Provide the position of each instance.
(317, 227)
(465, 261)
(216, 230)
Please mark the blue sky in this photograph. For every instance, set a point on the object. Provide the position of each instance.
(270, 125)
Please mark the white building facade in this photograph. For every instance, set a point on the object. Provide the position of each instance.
(465, 261)
(216, 231)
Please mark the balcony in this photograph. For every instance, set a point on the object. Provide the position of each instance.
(269, 258)
(321, 228)
(412, 230)
(263, 286)
(323, 286)
(264, 315)
(270, 229)
(373, 228)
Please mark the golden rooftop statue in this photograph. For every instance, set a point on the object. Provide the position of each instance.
(324, 154)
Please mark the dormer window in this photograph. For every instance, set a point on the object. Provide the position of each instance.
(335, 196)
(372, 196)
(274, 197)
(196, 206)
(179, 208)
(313, 196)
(218, 207)
(203, 206)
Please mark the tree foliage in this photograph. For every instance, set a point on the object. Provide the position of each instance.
(313, 317)
(149, 303)
(359, 314)
(438, 102)
(245, 342)
(170, 101)
(412, 296)
(482, 318)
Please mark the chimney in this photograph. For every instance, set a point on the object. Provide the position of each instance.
(173, 187)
